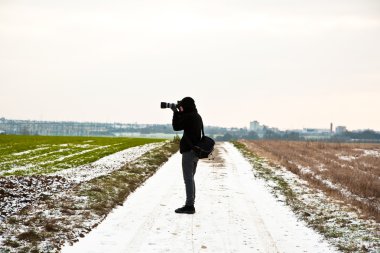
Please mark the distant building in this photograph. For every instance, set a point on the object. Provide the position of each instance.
(316, 133)
(256, 127)
(340, 129)
(2, 132)
(261, 130)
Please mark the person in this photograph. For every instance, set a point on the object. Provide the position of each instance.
(188, 120)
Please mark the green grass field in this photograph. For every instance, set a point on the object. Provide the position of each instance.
(25, 155)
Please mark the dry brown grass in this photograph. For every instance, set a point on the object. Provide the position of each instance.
(353, 172)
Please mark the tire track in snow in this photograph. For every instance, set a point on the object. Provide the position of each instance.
(267, 241)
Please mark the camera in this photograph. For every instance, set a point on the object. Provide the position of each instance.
(170, 105)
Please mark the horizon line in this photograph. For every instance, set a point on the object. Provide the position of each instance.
(136, 123)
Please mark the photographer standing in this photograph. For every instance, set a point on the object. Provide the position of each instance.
(188, 120)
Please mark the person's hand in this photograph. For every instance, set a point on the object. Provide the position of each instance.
(174, 108)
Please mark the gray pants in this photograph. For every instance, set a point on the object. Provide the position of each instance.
(189, 167)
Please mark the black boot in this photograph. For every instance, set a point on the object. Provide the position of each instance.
(186, 209)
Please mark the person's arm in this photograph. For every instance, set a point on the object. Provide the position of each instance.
(178, 121)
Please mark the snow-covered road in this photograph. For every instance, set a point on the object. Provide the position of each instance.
(235, 212)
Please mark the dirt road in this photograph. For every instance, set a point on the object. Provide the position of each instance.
(235, 212)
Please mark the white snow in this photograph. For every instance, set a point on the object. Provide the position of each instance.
(32, 164)
(305, 170)
(235, 213)
(29, 151)
(61, 158)
(17, 168)
(366, 152)
(374, 153)
(106, 164)
(335, 186)
(347, 158)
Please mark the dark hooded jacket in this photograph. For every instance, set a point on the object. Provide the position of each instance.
(190, 122)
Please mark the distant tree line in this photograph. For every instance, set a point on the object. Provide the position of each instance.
(26, 127)
(358, 135)
(365, 135)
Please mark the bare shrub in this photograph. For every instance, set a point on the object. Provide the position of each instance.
(30, 236)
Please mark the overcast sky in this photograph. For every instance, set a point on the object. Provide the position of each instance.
(288, 64)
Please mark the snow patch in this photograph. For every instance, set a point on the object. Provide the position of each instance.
(17, 168)
(106, 164)
(334, 186)
(18, 192)
(346, 157)
(29, 151)
(305, 170)
(374, 153)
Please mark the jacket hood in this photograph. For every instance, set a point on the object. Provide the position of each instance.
(188, 104)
